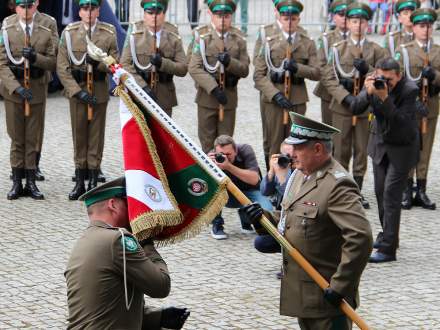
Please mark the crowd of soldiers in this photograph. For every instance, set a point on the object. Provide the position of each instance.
(217, 58)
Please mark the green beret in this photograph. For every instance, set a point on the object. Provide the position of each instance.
(224, 6)
(406, 5)
(93, 3)
(423, 15)
(112, 189)
(289, 7)
(157, 5)
(359, 10)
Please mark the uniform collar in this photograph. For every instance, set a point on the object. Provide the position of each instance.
(361, 42)
(93, 26)
(423, 46)
(225, 34)
(30, 25)
(100, 223)
(286, 35)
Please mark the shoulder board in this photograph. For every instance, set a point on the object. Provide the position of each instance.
(238, 34)
(325, 34)
(405, 45)
(337, 174)
(339, 43)
(202, 27)
(107, 27)
(393, 33)
(48, 16)
(237, 31)
(8, 20)
(304, 34)
(203, 36)
(45, 28)
(73, 26)
(170, 26)
(270, 38)
(174, 35)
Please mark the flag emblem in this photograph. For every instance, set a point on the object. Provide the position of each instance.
(197, 187)
(153, 193)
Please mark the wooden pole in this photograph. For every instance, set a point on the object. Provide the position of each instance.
(297, 256)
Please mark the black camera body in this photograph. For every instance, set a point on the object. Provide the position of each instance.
(284, 160)
(380, 82)
(219, 157)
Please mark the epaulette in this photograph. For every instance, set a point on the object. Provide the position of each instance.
(237, 31)
(107, 27)
(201, 27)
(339, 43)
(337, 174)
(73, 26)
(270, 38)
(6, 21)
(304, 34)
(240, 35)
(48, 16)
(171, 27)
(405, 45)
(174, 34)
(45, 28)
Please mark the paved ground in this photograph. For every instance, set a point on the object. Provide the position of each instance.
(227, 284)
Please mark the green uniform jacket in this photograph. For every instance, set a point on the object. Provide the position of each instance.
(303, 51)
(238, 67)
(103, 36)
(416, 64)
(325, 221)
(42, 40)
(95, 281)
(396, 38)
(173, 60)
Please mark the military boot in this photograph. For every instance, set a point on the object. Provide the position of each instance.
(31, 189)
(101, 176)
(407, 196)
(421, 199)
(38, 175)
(359, 180)
(93, 179)
(80, 187)
(17, 187)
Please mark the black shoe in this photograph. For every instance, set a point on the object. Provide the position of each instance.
(80, 187)
(280, 275)
(31, 189)
(376, 245)
(17, 187)
(101, 177)
(86, 176)
(407, 195)
(379, 257)
(93, 179)
(359, 181)
(217, 232)
(421, 198)
(365, 203)
(38, 175)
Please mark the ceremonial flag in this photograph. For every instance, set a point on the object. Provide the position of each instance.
(173, 188)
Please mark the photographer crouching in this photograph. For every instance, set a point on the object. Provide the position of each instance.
(240, 164)
(393, 145)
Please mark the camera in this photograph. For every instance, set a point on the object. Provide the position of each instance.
(380, 82)
(219, 157)
(284, 160)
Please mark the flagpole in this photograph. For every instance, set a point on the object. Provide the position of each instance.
(296, 255)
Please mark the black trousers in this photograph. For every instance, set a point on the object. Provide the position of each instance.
(389, 184)
(193, 13)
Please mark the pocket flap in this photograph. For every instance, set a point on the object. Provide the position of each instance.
(306, 211)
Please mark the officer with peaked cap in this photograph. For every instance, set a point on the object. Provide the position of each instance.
(323, 218)
(108, 259)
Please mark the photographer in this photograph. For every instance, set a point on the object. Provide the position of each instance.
(393, 145)
(240, 164)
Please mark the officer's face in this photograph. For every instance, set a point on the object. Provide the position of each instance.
(309, 156)
(89, 13)
(26, 14)
(221, 22)
(423, 31)
(289, 20)
(357, 26)
(404, 18)
(150, 17)
(340, 21)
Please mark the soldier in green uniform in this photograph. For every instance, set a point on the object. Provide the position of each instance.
(327, 39)
(153, 54)
(349, 61)
(420, 60)
(220, 49)
(403, 10)
(289, 52)
(72, 61)
(316, 221)
(109, 270)
(23, 130)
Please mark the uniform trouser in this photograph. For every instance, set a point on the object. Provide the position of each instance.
(275, 129)
(352, 141)
(209, 127)
(87, 135)
(24, 133)
(332, 323)
(326, 113)
(389, 184)
(422, 166)
(266, 145)
(41, 131)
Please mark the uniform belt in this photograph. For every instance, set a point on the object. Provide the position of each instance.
(278, 78)
(162, 76)
(18, 71)
(80, 76)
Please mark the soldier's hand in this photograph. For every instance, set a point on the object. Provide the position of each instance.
(150, 93)
(91, 61)
(428, 72)
(220, 95)
(30, 54)
(24, 93)
(291, 66)
(156, 60)
(173, 317)
(224, 58)
(333, 297)
(281, 101)
(85, 97)
(348, 100)
(251, 214)
(361, 65)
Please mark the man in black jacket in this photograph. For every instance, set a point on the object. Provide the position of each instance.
(393, 145)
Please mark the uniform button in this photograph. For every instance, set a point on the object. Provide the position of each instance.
(288, 227)
(305, 213)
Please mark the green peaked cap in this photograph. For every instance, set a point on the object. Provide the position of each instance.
(112, 189)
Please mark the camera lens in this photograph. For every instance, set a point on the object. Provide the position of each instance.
(284, 161)
(220, 158)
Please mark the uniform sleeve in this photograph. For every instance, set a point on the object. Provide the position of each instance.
(145, 268)
(240, 66)
(331, 81)
(257, 48)
(48, 60)
(261, 78)
(197, 72)
(113, 51)
(64, 69)
(177, 66)
(311, 70)
(345, 210)
(6, 75)
(127, 61)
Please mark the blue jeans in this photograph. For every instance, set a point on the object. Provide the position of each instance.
(253, 195)
(267, 244)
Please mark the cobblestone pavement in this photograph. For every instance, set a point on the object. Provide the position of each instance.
(226, 284)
